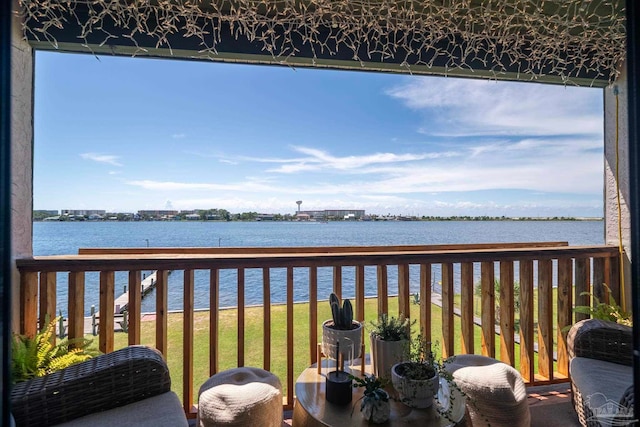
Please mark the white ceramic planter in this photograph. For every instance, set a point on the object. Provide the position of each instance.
(349, 339)
(415, 393)
(385, 354)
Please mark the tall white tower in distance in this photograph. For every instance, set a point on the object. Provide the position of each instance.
(299, 202)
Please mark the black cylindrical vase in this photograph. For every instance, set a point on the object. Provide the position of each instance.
(339, 388)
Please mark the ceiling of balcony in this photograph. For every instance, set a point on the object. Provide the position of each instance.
(559, 41)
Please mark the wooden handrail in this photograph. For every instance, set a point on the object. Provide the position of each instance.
(313, 249)
(255, 260)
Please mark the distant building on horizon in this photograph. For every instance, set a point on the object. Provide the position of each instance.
(331, 214)
(158, 213)
(83, 212)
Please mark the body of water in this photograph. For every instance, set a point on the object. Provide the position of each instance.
(58, 238)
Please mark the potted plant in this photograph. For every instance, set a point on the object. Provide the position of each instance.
(417, 379)
(375, 405)
(389, 343)
(341, 329)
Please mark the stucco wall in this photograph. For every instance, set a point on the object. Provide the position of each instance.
(611, 113)
(21, 156)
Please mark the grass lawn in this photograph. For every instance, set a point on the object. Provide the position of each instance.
(227, 349)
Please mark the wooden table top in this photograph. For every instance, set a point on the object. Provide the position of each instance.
(311, 408)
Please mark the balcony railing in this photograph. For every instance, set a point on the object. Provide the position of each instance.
(551, 278)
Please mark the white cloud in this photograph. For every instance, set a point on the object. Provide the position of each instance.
(247, 186)
(466, 107)
(229, 162)
(102, 158)
(320, 160)
(178, 136)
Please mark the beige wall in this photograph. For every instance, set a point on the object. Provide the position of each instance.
(22, 155)
(611, 113)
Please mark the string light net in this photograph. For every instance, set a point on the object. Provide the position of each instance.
(564, 38)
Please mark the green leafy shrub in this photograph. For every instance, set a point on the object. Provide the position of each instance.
(38, 356)
(603, 311)
(391, 328)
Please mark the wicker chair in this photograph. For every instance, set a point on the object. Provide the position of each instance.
(130, 386)
(601, 372)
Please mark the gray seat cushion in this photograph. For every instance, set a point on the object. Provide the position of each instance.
(164, 410)
(593, 376)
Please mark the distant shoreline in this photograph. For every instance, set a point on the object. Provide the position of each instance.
(386, 219)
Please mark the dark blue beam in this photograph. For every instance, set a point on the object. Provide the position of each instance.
(633, 84)
(5, 208)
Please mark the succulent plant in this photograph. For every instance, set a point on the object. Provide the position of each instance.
(342, 316)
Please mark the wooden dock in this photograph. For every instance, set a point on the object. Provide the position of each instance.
(121, 303)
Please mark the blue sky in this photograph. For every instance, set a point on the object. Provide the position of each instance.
(125, 134)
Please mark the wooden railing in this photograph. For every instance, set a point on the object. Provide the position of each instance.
(570, 270)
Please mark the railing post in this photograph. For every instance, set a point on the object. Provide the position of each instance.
(383, 290)
(76, 305)
(135, 307)
(614, 277)
(337, 281)
(425, 301)
(106, 330)
(404, 303)
(290, 337)
(161, 311)
(507, 307)
(187, 342)
(526, 320)
(241, 303)
(583, 276)
(488, 308)
(48, 289)
(313, 313)
(565, 308)
(29, 303)
(466, 307)
(447, 310)
(266, 313)
(599, 280)
(360, 293)
(214, 312)
(545, 316)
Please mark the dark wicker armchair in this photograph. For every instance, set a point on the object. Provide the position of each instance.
(103, 383)
(601, 375)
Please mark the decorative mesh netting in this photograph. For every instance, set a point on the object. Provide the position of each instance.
(565, 38)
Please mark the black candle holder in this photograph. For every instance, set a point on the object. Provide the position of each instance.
(339, 387)
(338, 383)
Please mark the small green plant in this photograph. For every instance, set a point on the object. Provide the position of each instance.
(373, 390)
(391, 328)
(342, 316)
(603, 311)
(38, 356)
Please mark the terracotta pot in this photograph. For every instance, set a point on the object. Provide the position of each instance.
(385, 354)
(414, 393)
(348, 339)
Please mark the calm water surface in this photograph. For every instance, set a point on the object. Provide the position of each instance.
(58, 238)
